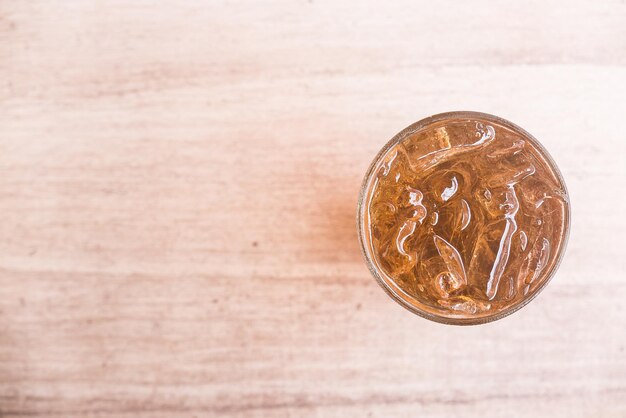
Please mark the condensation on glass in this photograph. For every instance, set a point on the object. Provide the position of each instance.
(463, 217)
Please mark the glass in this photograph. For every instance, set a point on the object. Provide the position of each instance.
(463, 218)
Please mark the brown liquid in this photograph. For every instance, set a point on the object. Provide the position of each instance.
(466, 216)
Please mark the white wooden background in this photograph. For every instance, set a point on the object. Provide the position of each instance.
(178, 184)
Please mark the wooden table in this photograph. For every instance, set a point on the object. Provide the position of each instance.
(178, 185)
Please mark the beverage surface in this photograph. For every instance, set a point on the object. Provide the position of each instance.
(466, 217)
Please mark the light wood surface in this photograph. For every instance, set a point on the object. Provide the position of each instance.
(178, 185)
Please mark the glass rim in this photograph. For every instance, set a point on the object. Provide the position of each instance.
(362, 206)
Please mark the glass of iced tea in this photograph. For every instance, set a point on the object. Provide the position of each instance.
(463, 218)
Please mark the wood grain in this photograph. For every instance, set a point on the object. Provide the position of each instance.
(178, 186)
